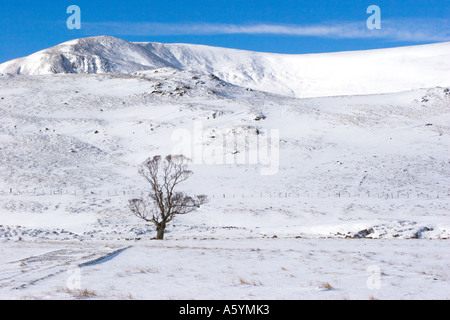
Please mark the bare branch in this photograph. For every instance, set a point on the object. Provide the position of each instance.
(142, 210)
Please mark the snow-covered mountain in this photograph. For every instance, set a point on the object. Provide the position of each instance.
(84, 114)
(76, 121)
(308, 75)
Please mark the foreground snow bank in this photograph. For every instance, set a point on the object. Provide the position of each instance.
(230, 269)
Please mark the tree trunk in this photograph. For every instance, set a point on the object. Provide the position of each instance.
(160, 230)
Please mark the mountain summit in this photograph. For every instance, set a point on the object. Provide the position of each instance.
(87, 55)
(299, 75)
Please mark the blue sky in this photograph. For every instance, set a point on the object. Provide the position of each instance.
(283, 26)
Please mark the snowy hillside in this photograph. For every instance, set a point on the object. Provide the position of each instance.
(76, 136)
(310, 75)
(306, 194)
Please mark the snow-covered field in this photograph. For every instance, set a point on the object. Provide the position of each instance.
(341, 197)
(226, 269)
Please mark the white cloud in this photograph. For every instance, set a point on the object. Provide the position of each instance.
(393, 30)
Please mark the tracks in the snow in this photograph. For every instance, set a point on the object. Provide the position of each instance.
(25, 272)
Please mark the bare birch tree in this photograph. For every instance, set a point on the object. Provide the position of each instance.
(163, 201)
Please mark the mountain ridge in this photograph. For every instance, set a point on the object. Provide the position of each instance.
(296, 75)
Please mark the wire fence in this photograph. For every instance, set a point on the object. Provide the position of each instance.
(273, 194)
